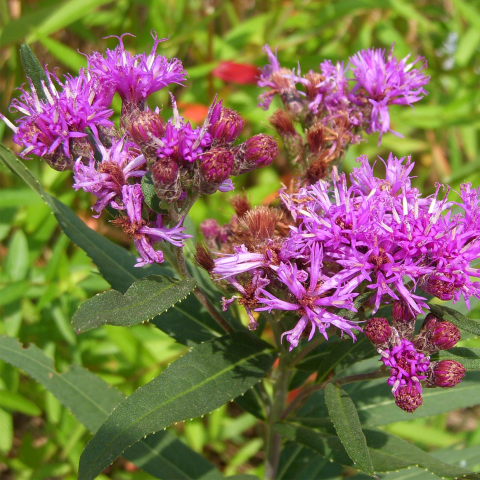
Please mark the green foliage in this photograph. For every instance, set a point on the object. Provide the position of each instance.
(202, 380)
(33, 70)
(344, 417)
(146, 298)
(91, 400)
(387, 451)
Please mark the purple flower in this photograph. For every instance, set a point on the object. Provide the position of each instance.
(107, 178)
(311, 301)
(407, 366)
(231, 264)
(144, 236)
(135, 77)
(279, 80)
(48, 124)
(386, 82)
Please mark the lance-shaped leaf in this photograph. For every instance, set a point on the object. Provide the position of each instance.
(345, 419)
(205, 378)
(387, 452)
(91, 400)
(461, 321)
(468, 357)
(188, 322)
(302, 463)
(33, 69)
(146, 298)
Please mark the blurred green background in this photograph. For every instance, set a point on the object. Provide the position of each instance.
(44, 276)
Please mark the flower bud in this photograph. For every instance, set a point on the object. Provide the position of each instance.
(378, 331)
(258, 151)
(448, 373)
(216, 165)
(403, 319)
(145, 124)
(226, 126)
(438, 287)
(445, 335)
(165, 174)
(408, 399)
(436, 334)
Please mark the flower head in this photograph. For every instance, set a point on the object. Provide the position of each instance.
(135, 77)
(387, 82)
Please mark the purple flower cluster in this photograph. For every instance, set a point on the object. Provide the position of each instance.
(333, 107)
(52, 119)
(378, 82)
(135, 77)
(407, 366)
(409, 358)
(377, 234)
(70, 127)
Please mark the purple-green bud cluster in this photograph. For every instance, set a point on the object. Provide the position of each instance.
(184, 159)
(409, 358)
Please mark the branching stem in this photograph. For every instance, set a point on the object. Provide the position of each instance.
(302, 396)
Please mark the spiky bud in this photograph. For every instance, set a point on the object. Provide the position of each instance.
(283, 123)
(447, 373)
(226, 126)
(403, 319)
(216, 165)
(258, 151)
(204, 259)
(408, 399)
(445, 335)
(378, 331)
(143, 125)
(240, 204)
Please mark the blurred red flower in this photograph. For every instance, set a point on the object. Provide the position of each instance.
(240, 73)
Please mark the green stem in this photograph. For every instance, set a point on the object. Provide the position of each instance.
(311, 346)
(273, 440)
(181, 267)
(280, 390)
(303, 395)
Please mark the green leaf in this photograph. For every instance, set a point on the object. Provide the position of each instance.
(188, 322)
(65, 14)
(17, 261)
(468, 357)
(91, 400)
(145, 299)
(18, 403)
(251, 401)
(149, 193)
(343, 354)
(301, 463)
(33, 70)
(376, 405)
(388, 452)
(211, 374)
(464, 457)
(451, 315)
(345, 419)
